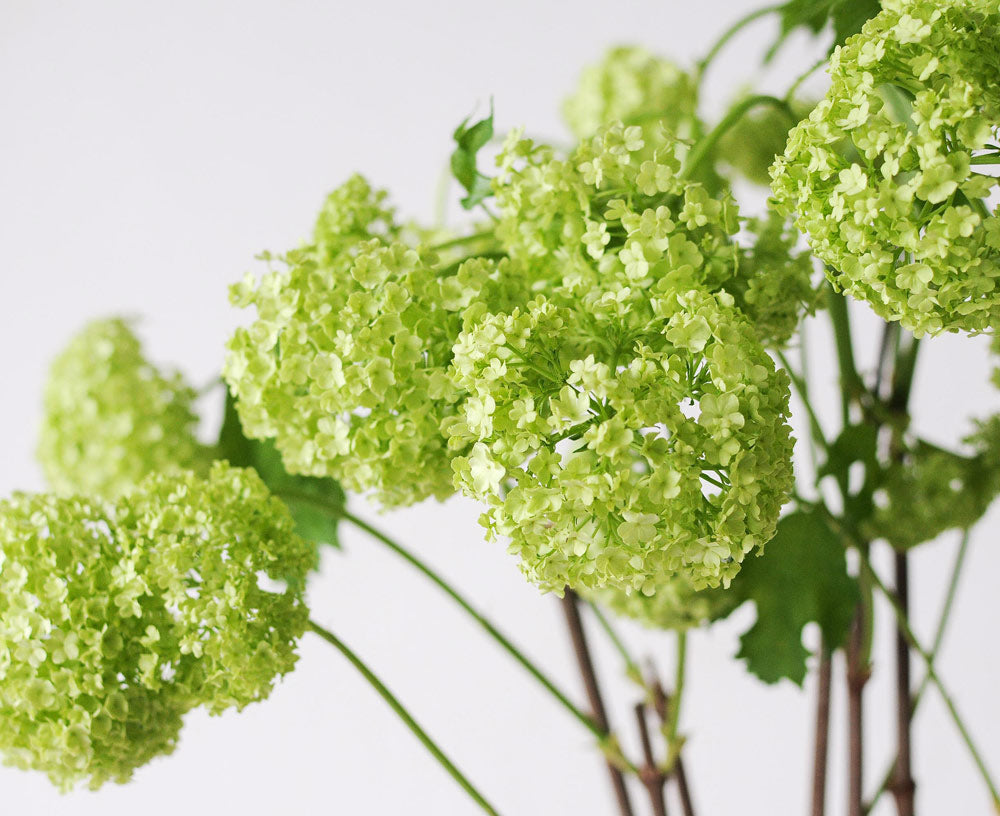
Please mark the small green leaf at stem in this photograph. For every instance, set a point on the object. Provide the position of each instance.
(845, 17)
(801, 578)
(470, 140)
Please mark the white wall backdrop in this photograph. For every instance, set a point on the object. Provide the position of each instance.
(149, 150)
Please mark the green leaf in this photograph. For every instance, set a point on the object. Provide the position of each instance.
(470, 141)
(856, 443)
(845, 17)
(801, 578)
(311, 522)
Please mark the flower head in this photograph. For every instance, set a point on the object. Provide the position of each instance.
(111, 417)
(118, 617)
(888, 175)
(345, 363)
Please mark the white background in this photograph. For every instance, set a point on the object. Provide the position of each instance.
(148, 151)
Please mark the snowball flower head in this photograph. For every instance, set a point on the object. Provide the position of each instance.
(345, 364)
(606, 212)
(617, 444)
(111, 417)
(630, 83)
(889, 174)
(118, 617)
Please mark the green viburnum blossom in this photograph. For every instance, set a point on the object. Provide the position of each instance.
(345, 365)
(630, 84)
(607, 209)
(623, 434)
(117, 617)
(651, 93)
(675, 604)
(775, 287)
(111, 417)
(884, 176)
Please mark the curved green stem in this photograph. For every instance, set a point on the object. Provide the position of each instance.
(495, 633)
(704, 146)
(802, 388)
(928, 659)
(850, 380)
(790, 93)
(405, 716)
(452, 593)
(632, 670)
(702, 65)
(464, 239)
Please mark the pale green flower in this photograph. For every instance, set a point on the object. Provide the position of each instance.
(117, 617)
(616, 485)
(889, 175)
(345, 365)
(111, 417)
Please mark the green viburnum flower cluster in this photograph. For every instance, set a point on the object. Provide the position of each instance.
(883, 175)
(625, 423)
(346, 363)
(118, 617)
(111, 417)
(630, 84)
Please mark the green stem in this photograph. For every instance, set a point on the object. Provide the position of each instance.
(928, 659)
(465, 239)
(790, 93)
(632, 670)
(942, 624)
(673, 723)
(702, 66)
(405, 716)
(802, 387)
(850, 380)
(704, 146)
(452, 593)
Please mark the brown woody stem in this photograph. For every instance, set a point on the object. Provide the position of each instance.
(902, 786)
(652, 776)
(822, 740)
(571, 609)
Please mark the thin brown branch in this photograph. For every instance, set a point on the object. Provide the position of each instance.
(652, 776)
(857, 677)
(571, 609)
(902, 786)
(822, 738)
(661, 704)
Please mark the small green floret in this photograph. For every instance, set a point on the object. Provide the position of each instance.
(116, 618)
(111, 417)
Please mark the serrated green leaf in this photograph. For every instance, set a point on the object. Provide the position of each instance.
(845, 17)
(856, 443)
(470, 140)
(801, 578)
(312, 522)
